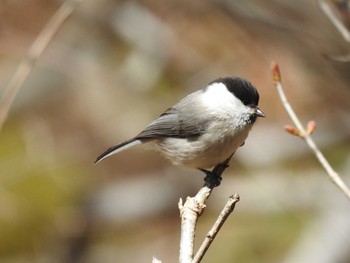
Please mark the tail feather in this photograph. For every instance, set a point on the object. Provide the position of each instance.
(118, 148)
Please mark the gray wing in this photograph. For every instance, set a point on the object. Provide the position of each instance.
(174, 123)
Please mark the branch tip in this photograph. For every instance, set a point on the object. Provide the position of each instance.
(156, 260)
(235, 198)
(276, 73)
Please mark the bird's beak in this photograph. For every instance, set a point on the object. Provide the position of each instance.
(259, 113)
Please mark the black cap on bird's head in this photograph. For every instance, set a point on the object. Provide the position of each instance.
(244, 91)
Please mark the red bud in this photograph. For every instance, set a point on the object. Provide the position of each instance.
(311, 126)
(276, 72)
(292, 130)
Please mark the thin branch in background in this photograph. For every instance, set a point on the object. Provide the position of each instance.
(327, 10)
(227, 210)
(305, 134)
(340, 58)
(34, 52)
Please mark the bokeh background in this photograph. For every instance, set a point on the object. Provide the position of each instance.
(116, 65)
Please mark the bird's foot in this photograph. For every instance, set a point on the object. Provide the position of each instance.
(213, 178)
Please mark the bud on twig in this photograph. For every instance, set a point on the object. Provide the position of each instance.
(276, 72)
(311, 126)
(305, 134)
(292, 130)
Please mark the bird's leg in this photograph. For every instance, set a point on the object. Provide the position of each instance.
(213, 178)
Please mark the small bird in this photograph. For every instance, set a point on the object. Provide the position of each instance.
(203, 129)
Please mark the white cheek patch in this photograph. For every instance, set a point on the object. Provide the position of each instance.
(217, 98)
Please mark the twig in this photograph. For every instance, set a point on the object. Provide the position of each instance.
(189, 212)
(341, 58)
(34, 52)
(192, 209)
(327, 10)
(306, 134)
(228, 209)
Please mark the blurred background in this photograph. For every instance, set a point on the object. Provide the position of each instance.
(116, 65)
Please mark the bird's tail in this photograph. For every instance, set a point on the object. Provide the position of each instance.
(118, 148)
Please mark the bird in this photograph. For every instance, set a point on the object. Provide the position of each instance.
(203, 129)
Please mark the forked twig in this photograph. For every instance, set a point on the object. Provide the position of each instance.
(34, 52)
(191, 210)
(306, 133)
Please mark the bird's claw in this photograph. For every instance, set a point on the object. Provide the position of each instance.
(211, 179)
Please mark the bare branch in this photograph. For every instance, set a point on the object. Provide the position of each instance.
(327, 10)
(193, 208)
(339, 25)
(227, 210)
(340, 58)
(306, 134)
(34, 52)
(189, 212)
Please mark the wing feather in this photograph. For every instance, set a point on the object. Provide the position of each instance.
(174, 123)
